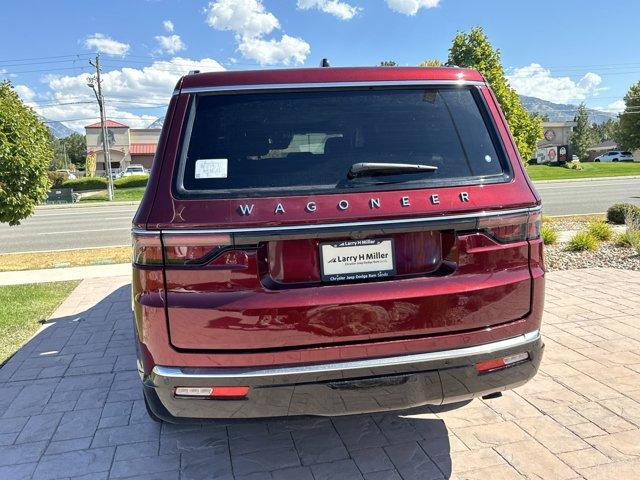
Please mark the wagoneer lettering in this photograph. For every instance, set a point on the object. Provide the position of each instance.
(334, 241)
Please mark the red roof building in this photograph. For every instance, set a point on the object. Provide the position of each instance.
(110, 124)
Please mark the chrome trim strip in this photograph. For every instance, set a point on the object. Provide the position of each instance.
(220, 373)
(284, 86)
(368, 223)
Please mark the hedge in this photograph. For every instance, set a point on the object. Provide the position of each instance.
(86, 183)
(132, 181)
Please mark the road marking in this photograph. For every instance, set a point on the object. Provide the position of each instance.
(84, 231)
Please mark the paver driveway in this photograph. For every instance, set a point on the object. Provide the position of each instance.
(71, 407)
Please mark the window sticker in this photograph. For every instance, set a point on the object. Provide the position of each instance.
(211, 168)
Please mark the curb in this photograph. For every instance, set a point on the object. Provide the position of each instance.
(590, 179)
(85, 205)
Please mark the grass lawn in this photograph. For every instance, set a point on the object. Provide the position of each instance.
(23, 308)
(589, 170)
(120, 194)
(64, 258)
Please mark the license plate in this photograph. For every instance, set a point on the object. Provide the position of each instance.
(357, 260)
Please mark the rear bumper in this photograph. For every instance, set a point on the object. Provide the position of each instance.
(340, 388)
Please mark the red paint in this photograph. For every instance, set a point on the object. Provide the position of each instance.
(266, 305)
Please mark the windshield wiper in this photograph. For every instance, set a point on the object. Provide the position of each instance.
(370, 169)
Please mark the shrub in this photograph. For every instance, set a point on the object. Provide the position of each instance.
(86, 183)
(132, 181)
(56, 178)
(601, 230)
(549, 234)
(572, 165)
(628, 238)
(582, 241)
(618, 212)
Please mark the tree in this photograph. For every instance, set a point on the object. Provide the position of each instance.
(432, 62)
(473, 50)
(388, 63)
(90, 164)
(582, 137)
(604, 131)
(628, 132)
(71, 149)
(25, 155)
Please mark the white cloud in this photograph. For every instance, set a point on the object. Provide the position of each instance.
(288, 50)
(168, 26)
(411, 7)
(170, 44)
(536, 81)
(104, 44)
(247, 18)
(341, 10)
(615, 107)
(250, 22)
(128, 92)
(26, 94)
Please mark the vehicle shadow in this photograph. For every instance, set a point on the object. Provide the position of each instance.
(80, 373)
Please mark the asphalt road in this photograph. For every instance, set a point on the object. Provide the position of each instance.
(96, 226)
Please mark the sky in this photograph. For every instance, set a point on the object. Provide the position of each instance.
(565, 51)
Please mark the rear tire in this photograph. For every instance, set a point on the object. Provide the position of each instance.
(152, 415)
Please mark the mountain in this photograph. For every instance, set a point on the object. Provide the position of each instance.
(57, 129)
(158, 123)
(560, 112)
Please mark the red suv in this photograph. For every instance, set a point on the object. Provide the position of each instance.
(334, 240)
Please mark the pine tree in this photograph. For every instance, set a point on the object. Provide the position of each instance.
(582, 136)
(628, 132)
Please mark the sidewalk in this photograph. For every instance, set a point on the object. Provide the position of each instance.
(61, 274)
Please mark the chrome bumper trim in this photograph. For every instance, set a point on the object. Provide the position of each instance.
(174, 373)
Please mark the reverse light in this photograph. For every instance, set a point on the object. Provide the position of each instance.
(501, 362)
(212, 392)
(512, 228)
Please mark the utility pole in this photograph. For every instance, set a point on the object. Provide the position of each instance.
(91, 82)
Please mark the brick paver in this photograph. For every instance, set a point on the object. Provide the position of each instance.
(71, 407)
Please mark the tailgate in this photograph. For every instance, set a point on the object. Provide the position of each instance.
(279, 289)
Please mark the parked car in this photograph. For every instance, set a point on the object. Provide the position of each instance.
(615, 156)
(134, 169)
(334, 241)
(69, 175)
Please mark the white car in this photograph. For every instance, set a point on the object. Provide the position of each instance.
(134, 170)
(615, 156)
(68, 173)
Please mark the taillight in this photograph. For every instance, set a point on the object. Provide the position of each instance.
(193, 249)
(512, 228)
(147, 248)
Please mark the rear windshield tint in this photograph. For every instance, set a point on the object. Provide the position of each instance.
(284, 143)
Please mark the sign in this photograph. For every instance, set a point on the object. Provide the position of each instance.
(357, 260)
(552, 154)
(550, 135)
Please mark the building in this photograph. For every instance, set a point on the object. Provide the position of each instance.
(126, 145)
(555, 136)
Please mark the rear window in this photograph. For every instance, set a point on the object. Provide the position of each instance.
(282, 143)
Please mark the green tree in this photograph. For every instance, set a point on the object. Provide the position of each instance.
(582, 136)
(604, 131)
(431, 62)
(69, 150)
(25, 155)
(473, 50)
(628, 132)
